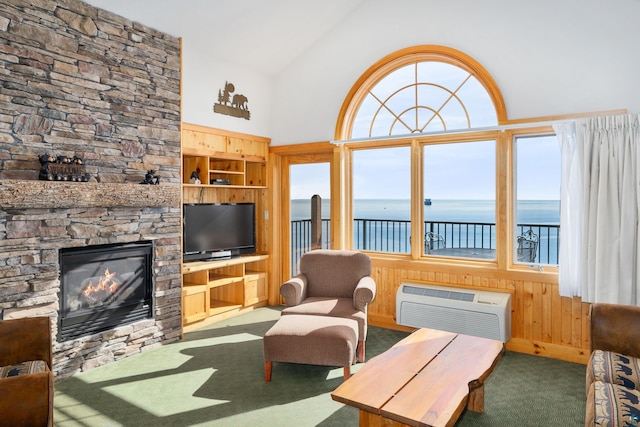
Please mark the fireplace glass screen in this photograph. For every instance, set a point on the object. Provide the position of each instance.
(105, 286)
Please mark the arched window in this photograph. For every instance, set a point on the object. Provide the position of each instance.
(423, 89)
(428, 159)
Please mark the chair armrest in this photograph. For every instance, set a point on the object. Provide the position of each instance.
(27, 400)
(364, 293)
(294, 290)
(614, 327)
(25, 339)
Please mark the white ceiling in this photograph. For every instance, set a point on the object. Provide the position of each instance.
(263, 35)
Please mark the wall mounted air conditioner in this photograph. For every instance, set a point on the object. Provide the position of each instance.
(471, 312)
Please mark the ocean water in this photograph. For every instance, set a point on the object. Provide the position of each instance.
(394, 237)
(528, 212)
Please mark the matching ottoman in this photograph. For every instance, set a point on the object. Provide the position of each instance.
(311, 340)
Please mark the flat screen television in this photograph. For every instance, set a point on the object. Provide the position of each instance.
(218, 230)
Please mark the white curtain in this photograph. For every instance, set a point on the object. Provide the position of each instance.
(570, 273)
(600, 197)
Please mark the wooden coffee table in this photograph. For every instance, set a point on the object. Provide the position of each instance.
(427, 379)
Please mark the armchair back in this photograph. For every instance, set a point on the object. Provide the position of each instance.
(614, 328)
(334, 273)
(25, 339)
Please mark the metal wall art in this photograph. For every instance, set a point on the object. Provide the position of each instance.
(235, 106)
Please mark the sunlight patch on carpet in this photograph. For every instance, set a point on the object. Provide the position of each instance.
(336, 373)
(151, 394)
(310, 412)
(226, 339)
(70, 412)
(166, 358)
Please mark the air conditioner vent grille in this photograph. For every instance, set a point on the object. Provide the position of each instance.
(465, 311)
(437, 293)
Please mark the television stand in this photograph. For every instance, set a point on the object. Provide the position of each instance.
(214, 289)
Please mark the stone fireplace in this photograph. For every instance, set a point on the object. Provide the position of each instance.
(41, 221)
(81, 81)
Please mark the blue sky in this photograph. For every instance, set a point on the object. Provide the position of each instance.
(433, 96)
(452, 171)
(310, 179)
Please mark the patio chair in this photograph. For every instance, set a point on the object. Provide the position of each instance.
(433, 242)
(527, 247)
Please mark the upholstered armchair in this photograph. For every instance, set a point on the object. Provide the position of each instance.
(26, 380)
(335, 283)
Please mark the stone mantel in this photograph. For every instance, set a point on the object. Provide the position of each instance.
(22, 194)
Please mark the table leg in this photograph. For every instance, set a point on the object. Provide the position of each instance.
(476, 399)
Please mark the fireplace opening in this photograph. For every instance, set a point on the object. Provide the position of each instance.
(104, 286)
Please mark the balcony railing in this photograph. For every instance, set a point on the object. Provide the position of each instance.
(301, 239)
(386, 235)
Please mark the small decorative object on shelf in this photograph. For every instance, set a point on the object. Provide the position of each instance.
(219, 181)
(195, 177)
(62, 168)
(151, 178)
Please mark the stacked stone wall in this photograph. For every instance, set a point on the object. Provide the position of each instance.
(79, 81)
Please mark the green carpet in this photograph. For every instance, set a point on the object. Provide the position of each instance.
(215, 377)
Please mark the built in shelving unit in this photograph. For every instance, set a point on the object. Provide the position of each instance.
(231, 168)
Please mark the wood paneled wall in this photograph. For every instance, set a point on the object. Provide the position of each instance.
(542, 322)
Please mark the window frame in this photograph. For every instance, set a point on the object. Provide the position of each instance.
(466, 137)
(505, 190)
(510, 136)
(408, 56)
(377, 146)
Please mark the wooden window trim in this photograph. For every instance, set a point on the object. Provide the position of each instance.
(404, 57)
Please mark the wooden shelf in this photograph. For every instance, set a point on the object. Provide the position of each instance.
(218, 307)
(253, 273)
(246, 187)
(193, 287)
(225, 280)
(189, 267)
(226, 172)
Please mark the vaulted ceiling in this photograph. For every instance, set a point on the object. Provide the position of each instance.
(263, 35)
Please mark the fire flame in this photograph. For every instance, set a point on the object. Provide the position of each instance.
(105, 283)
